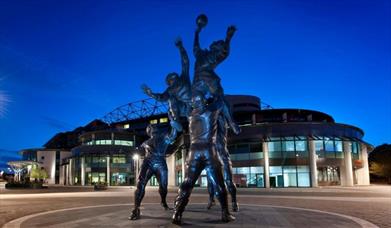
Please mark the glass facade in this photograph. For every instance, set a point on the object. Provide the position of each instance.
(289, 164)
(329, 175)
(288, 147)
(289, 176)
(248, 151)
(121, 170)
(109, 142)
(252, 176)
(355, 150)
(329, 148)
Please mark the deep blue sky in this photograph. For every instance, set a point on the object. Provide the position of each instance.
(64, 64)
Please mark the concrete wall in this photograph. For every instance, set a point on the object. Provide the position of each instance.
(171, 170)
(362, 174)
(48, 161)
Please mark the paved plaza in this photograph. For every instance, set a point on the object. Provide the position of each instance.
(82, 207)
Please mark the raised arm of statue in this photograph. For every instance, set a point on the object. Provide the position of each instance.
(185, 75)
(162, 97)
(171, 136)
(227, 43)
(228, 116)
(196, 45)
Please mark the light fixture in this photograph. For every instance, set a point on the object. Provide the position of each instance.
(136, 157)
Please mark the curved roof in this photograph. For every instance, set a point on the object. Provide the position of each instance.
(264, 131)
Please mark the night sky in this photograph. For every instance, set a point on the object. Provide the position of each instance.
(64, 64)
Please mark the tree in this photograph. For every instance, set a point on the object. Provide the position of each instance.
(380, 162)
(34, 173)
(38, 173)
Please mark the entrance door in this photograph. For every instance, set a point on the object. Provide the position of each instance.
(272, 182)
(280, 181)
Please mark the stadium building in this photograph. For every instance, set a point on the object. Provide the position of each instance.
(277, 148)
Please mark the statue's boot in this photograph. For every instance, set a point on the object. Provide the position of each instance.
(180, 204)
(211, 203)
(177, 218)
(135, 214)
(226, 216)
(235, 206)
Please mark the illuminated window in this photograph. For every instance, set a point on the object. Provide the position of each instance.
(102, 142)
(153, 121)
(126, 126)
(163, 120)
(123, 142)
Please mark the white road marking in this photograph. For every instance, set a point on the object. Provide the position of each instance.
(18, 222)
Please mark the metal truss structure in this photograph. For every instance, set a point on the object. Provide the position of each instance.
(265, 106)
(143, 109)
(136, 110)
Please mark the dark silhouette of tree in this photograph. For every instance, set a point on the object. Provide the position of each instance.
(380, 162)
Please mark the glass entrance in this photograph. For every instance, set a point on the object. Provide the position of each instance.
(329, 175)
(95, 178)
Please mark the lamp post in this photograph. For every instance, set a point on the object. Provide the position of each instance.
(136, 158)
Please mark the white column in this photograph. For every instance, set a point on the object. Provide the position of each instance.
(171, 170)
(183, 151)
(313, 167)
(108, 170)
(266, 159)
(83, 171)
(363, 173)
(70, 171)
(62, 175)
(348, 168)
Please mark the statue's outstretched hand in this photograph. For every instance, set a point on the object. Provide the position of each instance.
(146, 89)
(231, 30)
(178, 42)
(235, 128)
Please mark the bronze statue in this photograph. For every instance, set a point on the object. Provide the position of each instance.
(178, 92)
(154, 164)
(207, 126)
(227, 166)
(203, 129)
(209, 116)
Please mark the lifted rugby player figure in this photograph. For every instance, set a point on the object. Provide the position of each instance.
(178, 92)
(154, 164)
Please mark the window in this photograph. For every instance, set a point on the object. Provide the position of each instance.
(355, 150)
(153, 121)
(274, 146)
(319, 148)
(329, 145)
(252, 176)
(338, 149)
(121, 159)
(289, 176)
(274, 149)
(103, 142)
(123, 142)
(163, 120)
(242, 148)
(288, 146)
(303, 176)
(126, 126)
(301, 145)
